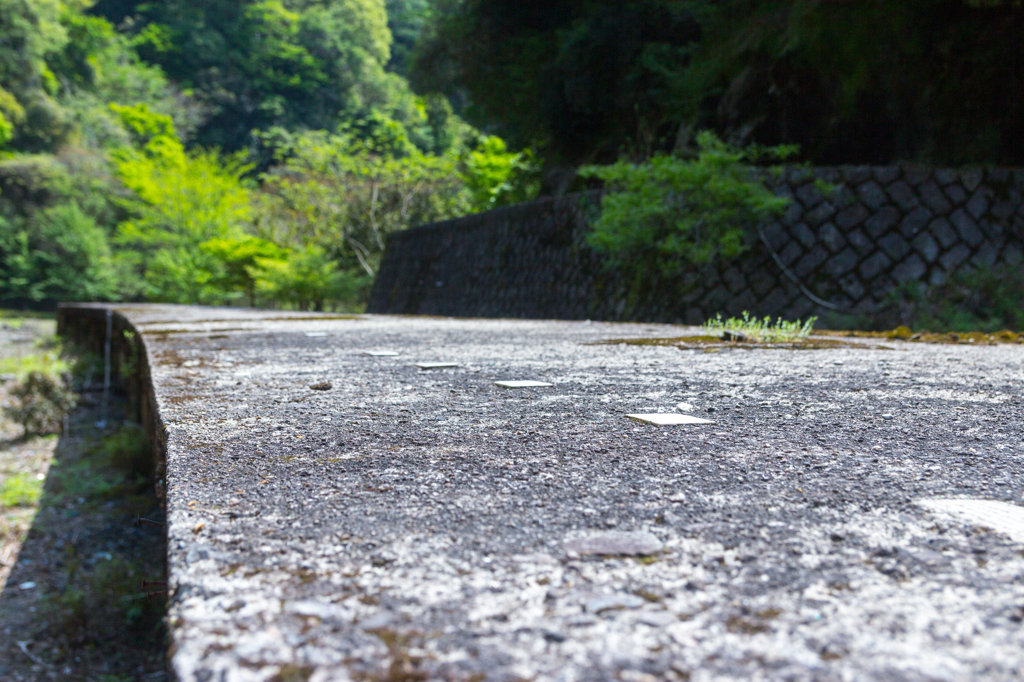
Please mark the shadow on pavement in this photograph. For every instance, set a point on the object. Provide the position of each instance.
(74, 606)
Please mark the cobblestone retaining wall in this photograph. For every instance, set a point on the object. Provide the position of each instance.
(851, 235)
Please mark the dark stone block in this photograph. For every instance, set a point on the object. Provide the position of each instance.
(913, 268)
(810, 262)
(895, 246)
(852, 287)
(860, 241)
(986, 254)
(790, 253)
(776, 235)
(881, 222)
(804, 235)
(831, 237)
(774, 303)
(957, 194)
(851, 217)
(945, 176)
(793, 214)
(971, 178)
(820, 213)
(885, 174)
(956, 256)
(915, 221)
(1013, 254)
(734, 280)
(809, 195)
(903, 195)
(829, 174)
(977, 206)
(999, 176)
(1002, 210)
(944, 232)
(842, 263)
(761, 281)
(874, 265)
(917, 175)
(872, 195)
(966, 228)
(926, 246)
(854, 175)
(933, 198)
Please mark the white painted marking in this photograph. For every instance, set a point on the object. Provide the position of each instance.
(522, 384)
(667, 419)
(436, 365)
(1002, 517)
(315, 334)
(380, 353)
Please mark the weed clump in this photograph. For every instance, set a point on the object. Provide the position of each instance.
(750, 328)
(42, 399)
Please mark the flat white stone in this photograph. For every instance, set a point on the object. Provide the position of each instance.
(667, 419)
(436, 365)
(612, 602)
(380, 353)
(1002, 517)
(684, 407)
(522, 384)
(315, 334)
(616, 543)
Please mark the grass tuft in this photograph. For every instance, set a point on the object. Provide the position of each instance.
(23, 490)
(753, 329)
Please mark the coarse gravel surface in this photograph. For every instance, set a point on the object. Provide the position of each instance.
(408, 524)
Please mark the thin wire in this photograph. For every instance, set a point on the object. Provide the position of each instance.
(786, 271)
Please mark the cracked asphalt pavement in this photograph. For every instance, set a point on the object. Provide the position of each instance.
(407, 524)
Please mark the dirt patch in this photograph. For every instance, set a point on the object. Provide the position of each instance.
(711, 343)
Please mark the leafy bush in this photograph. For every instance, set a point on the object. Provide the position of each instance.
(667, 211)
(41, 402)
(22, 490)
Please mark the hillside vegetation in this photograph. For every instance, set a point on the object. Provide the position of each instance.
(258, 152)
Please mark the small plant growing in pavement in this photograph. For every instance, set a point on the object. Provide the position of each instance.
(752, 329)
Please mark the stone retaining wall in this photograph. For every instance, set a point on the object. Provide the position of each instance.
(851, 235)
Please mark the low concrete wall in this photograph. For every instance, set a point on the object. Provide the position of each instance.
(839, 251)
(85, 326)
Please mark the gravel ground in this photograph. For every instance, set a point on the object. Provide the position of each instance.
(410, 524)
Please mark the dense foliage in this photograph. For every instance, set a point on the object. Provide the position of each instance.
(232, 152)
(669, 212)
(934, 81)
(260, 151)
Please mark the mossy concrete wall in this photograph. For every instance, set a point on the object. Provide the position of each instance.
(851, 235)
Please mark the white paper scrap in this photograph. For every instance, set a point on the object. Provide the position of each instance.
(1001, 517)
(436, 365)
(522, 384)
(380, 353)
(667, 419)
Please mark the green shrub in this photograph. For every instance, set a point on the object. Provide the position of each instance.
(22, 490)
(667, 211)
(42, 400)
